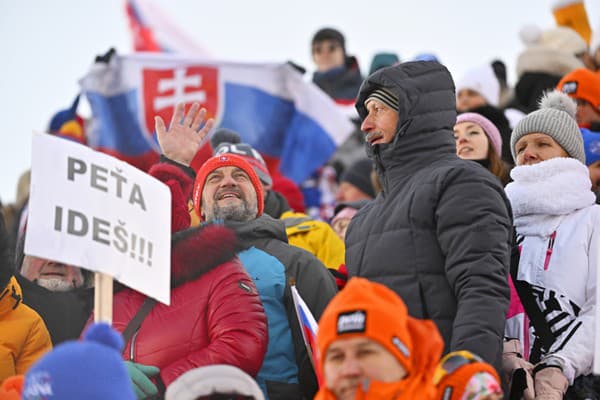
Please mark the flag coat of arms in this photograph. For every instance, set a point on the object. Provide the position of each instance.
(271, 106)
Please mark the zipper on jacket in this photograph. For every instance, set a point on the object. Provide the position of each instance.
(549, 250)
(132, 346)
(385, 182)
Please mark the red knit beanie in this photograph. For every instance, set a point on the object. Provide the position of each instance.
(226, 160)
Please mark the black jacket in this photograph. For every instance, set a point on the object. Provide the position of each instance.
(312, 280)
(341, 84)
(439, 234)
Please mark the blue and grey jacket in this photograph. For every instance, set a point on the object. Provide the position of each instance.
(274, 266)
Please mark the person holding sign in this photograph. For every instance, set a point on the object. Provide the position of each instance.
(228, 189)
(215, 316)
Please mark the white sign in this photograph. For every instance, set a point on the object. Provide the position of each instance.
(91, 210)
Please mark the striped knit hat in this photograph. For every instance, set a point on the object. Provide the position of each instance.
(386, 97)
(555, 118)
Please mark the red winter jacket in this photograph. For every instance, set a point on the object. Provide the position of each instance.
(215, 316)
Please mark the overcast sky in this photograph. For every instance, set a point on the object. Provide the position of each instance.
(48, 45)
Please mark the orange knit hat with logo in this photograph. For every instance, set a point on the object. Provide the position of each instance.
(226, 160)
(582, 84)
(373, 311)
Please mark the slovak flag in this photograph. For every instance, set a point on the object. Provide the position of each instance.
(269, 105)
(308, 326)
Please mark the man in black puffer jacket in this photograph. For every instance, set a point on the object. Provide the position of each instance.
(439, 233)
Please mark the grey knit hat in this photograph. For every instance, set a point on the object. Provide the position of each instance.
(555, 118)
(385, 96)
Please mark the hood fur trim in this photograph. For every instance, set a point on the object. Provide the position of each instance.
(198, 250)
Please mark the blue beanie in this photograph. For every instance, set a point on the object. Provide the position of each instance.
(91, 369)
(591, 145)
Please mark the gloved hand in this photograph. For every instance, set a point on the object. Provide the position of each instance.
(140, 375)
(340, 275)
(512, 361)
(550, 384)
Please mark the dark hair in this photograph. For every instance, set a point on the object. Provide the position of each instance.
(497, 166)
(329, 34)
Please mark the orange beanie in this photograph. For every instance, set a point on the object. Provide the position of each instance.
(371, 310)
(226, 160)
(367, 309)
(582, 84)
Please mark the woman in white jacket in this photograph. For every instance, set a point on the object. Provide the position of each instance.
(558, 227)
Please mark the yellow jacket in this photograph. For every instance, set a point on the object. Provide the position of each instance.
(24, 336)
(316, 237)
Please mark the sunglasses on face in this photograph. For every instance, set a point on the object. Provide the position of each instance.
(325, 48)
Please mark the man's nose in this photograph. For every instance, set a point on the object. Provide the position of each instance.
(350, 367)
(367, 124)
(228, 181)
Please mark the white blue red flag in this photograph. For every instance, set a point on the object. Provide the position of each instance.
(308, 324)
(269, 105)
(152, 30)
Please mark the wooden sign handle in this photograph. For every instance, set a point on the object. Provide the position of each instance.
(103, 297)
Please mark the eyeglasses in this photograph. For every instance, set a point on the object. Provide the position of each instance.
(325, 47)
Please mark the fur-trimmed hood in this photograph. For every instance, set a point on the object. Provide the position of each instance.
(198, 250)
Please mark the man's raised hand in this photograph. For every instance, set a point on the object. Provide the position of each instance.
(185, 134)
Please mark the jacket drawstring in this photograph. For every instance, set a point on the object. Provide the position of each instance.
(16, 296)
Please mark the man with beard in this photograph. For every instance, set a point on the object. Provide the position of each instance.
(227, 189)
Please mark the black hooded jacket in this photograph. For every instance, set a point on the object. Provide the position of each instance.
(439, 234)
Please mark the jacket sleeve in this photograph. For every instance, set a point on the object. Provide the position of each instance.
(313, 281)
(236, 326)
(37, 344)
(575, 345)
(474, 233)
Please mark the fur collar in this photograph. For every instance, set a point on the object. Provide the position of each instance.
(198, 250)
(543, 194)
